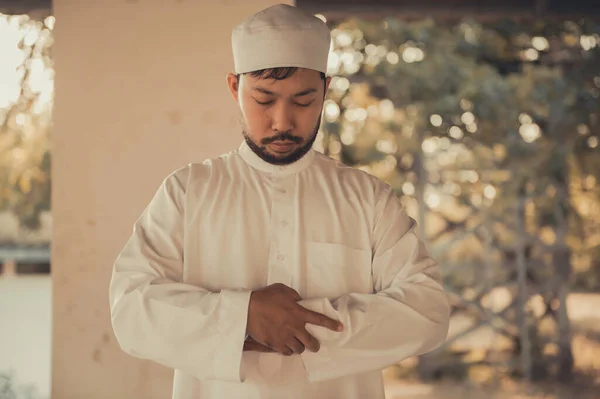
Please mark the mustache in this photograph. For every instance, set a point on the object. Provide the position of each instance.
(286, 136)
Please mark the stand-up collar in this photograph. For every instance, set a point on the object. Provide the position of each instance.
(279, 170)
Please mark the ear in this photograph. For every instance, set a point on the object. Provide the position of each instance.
(234, 86)
(327, 82)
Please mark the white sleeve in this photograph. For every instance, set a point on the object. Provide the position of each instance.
(157, 317)
(407, 315)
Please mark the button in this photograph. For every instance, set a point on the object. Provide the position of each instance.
(284, 223)
(281, 168)
(280, 257)
(281, 190)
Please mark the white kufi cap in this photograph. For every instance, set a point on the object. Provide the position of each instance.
(280, 36)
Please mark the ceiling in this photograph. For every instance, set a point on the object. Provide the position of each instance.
(572, 7)
(14, 7)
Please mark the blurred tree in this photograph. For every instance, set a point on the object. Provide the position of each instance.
(26, 76)
(466, 120)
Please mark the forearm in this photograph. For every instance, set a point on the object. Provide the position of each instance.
(407, 319)
(180, 326)
(155, 315)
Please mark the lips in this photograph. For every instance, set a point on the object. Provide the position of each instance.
(282, 145)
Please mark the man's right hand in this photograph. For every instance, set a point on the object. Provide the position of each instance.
(277, 321)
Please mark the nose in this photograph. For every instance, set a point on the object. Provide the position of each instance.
(282, 118)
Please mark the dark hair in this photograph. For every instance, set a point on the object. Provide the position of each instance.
(279, 73)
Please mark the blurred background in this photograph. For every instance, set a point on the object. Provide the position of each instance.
(483, 116)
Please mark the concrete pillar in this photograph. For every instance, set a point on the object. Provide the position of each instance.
(140, 91)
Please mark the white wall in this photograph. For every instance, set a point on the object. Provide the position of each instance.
(25, 311)
(140, 91)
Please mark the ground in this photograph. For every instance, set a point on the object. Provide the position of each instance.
(584, 312)
(399, 390)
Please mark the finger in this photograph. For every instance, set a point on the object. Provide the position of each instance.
(248, 346)
(309, 342)
(285, 350)
(252, 340)
(296, 346)
(321, 320)
(256, 347)
(263, 349)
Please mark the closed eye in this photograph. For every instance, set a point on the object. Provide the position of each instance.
(271, 102)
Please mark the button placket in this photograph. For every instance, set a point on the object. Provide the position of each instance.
(279, 267)
(280, 186)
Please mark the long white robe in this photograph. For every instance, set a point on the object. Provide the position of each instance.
(216, 230)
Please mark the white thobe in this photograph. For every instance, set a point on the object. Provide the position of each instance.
(219, 229)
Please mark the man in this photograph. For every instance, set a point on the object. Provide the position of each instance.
(273, 271)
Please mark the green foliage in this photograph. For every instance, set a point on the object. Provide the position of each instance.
(25, 117)
(470, 115)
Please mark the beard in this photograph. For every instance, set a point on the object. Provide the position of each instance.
(261, 150)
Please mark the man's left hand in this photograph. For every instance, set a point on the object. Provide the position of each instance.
(251, 345)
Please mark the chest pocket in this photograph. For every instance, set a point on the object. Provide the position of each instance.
(334, 270)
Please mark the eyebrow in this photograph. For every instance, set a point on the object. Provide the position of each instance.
(299, 94)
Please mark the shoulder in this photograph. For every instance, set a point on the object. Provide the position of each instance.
(200, 172)
(354, 179)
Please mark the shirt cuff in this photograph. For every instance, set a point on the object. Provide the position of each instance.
(318, 365)
(232, 329)
(324, 335)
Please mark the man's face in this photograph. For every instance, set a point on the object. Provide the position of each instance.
(280, 118)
